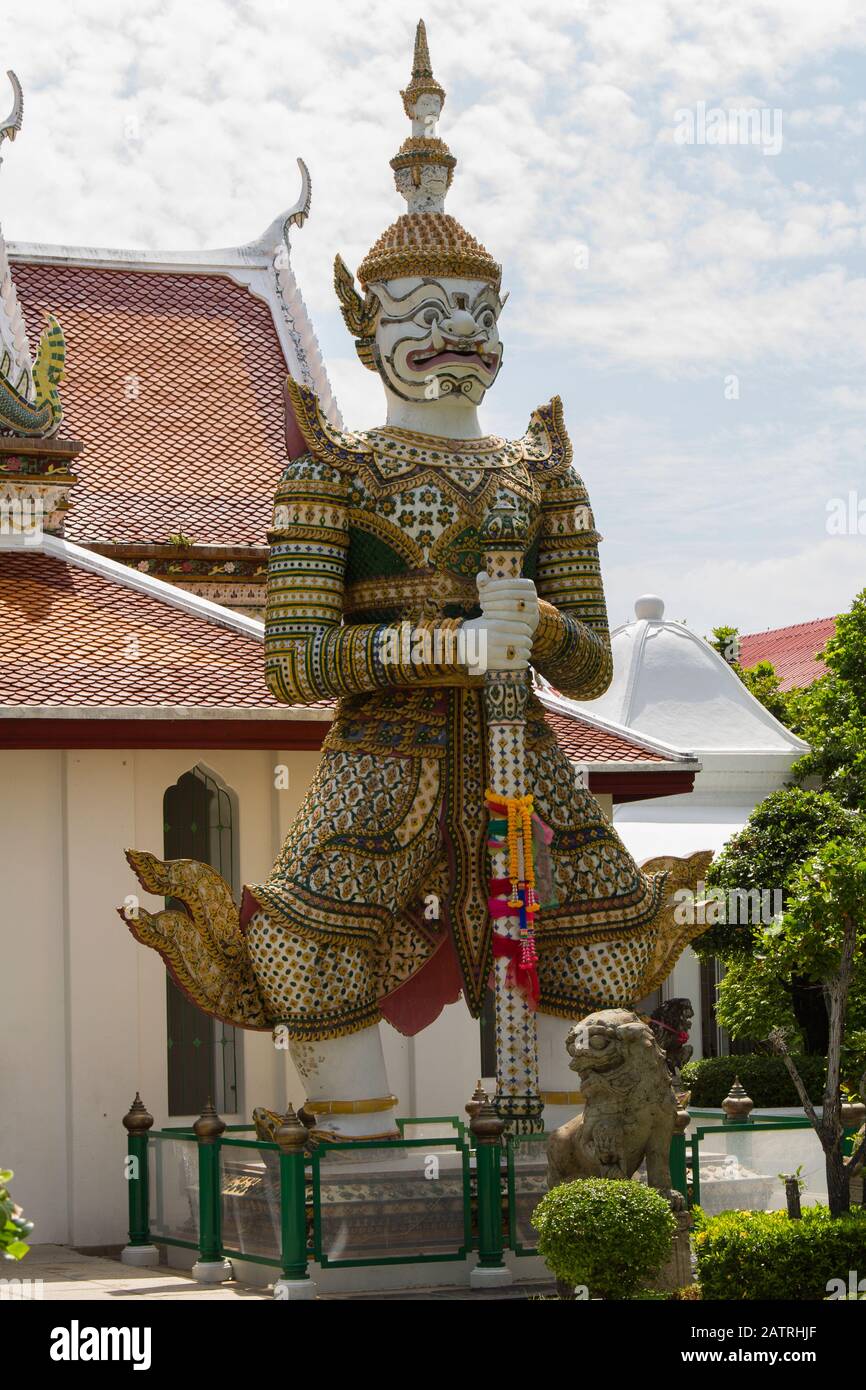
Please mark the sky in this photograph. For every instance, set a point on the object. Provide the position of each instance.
(691, 281)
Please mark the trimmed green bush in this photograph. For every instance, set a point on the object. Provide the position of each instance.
(609, 1234)
(763, 1254)
(765, 1078)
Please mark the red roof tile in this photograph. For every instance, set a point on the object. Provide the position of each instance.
(71, 637)
(586, 744)
(792, 650)
(174, 385)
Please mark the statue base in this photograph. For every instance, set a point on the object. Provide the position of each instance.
(294, 1290)
(677, 1272)
(487, 1277)
(141, 1256)
(212, 1271)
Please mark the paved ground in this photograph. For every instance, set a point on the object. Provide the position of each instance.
(67, 1275)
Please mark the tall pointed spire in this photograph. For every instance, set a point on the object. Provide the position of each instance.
(421, 66)
(425, 240)
(422, 83)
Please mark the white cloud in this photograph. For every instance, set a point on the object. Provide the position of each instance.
(816, 581)
(166, 124)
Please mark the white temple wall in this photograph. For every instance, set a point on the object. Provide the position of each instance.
(84, 1025)
(33, 1050)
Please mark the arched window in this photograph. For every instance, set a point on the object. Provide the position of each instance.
(204, 1056)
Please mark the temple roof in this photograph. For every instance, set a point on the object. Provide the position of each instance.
(76, 634)
(792, 651)
(175, 389)
(589, 743)
(85, 638)
(175, 370)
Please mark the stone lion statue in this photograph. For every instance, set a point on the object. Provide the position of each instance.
(630, 1106)
(671, 1022)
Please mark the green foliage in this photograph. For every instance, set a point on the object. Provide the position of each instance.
(13, 1226)
(784, 830)
(765, 1255)
(752, 1000)
(690, 1293)
(610, 1235)
(810, 846)
(761, 679)
(825, 892)
(764, 1077)
(726, 641)
(831, 714)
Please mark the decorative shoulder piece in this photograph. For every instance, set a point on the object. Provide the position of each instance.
(546, 445)
(345, 450)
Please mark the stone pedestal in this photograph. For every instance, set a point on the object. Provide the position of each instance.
(486, 1278)
(212, 1271)
(139, 1255)
(677, 1273)
(294, 1290)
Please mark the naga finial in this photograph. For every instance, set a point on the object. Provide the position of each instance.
(12, 124)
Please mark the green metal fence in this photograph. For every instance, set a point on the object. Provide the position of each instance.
(439, 1192)
(221, 1191)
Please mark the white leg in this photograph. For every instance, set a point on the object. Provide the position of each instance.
(347, 1085)
(560, 1086)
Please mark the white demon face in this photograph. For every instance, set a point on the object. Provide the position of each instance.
(437, 338)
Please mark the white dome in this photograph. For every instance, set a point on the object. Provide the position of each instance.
(671, 684)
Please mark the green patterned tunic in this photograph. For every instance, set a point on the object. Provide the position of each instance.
(377, 904)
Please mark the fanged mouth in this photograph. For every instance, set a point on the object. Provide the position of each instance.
(422, 359)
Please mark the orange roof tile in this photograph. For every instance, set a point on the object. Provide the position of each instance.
(71, 637)
(792, 650)
(587, 744)
(174, 385)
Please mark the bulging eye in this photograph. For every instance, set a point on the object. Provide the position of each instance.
(430, 316)
(487, 319)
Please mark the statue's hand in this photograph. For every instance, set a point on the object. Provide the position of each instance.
(493, 644)
(514, 600)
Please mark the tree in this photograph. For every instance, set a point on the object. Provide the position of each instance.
(831, 714)
(823, 930)
(761, 679)
(786, 829)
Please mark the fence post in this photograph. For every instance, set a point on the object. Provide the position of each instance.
(737, 1105)
(210, 1267)
(295, 1282)
(140, 1250)
(491, 1270)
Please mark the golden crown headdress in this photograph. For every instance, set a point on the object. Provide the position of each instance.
(425, 241)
